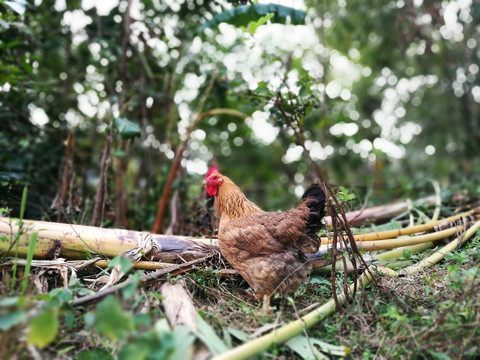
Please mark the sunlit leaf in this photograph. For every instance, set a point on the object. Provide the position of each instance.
(43, 328)
(254, 25)
(243, 15)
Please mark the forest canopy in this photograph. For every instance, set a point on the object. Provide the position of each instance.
(122, 94)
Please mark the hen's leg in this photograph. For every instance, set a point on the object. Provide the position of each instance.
(266, 303)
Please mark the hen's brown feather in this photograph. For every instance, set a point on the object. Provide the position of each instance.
(267, 248)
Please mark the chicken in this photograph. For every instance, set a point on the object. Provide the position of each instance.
(267, 248)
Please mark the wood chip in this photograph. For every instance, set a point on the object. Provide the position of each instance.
(178, 305)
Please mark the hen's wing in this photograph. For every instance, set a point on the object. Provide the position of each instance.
(264, 248)
(265, 233)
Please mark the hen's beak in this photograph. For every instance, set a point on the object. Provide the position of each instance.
(205, 182)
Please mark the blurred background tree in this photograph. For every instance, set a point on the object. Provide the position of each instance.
(386, 94)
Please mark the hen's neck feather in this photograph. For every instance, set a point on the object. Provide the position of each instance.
(232, 202)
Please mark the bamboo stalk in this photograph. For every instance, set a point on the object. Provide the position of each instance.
(440, 254)
(396, 253)
(395, 243)
(405, 231)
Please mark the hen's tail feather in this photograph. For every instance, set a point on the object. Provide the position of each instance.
(314, 198)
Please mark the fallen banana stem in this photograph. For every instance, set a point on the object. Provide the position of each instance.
(401, 232)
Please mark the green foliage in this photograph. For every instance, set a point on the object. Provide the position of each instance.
(244, 15)
(43, 328)
(11, 319)
(31, 249)
(95, 354)
(126, 128)
(306, 348)
(253, 25)
(209, 338)
(111, 320)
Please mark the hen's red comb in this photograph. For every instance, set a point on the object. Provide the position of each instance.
(210, 171)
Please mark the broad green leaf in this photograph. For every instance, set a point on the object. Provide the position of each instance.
(43, 328)
(240, 335)
(11, 319)
(126, 128)
(243, 15)
(184, 339)
(111, 320)
(209, 337)
(310, 348)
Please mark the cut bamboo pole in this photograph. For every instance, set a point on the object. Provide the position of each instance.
(440, 254)
(388, 234)
(396, 253)
(412, 240)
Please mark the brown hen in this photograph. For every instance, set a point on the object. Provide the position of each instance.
(267, 248)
